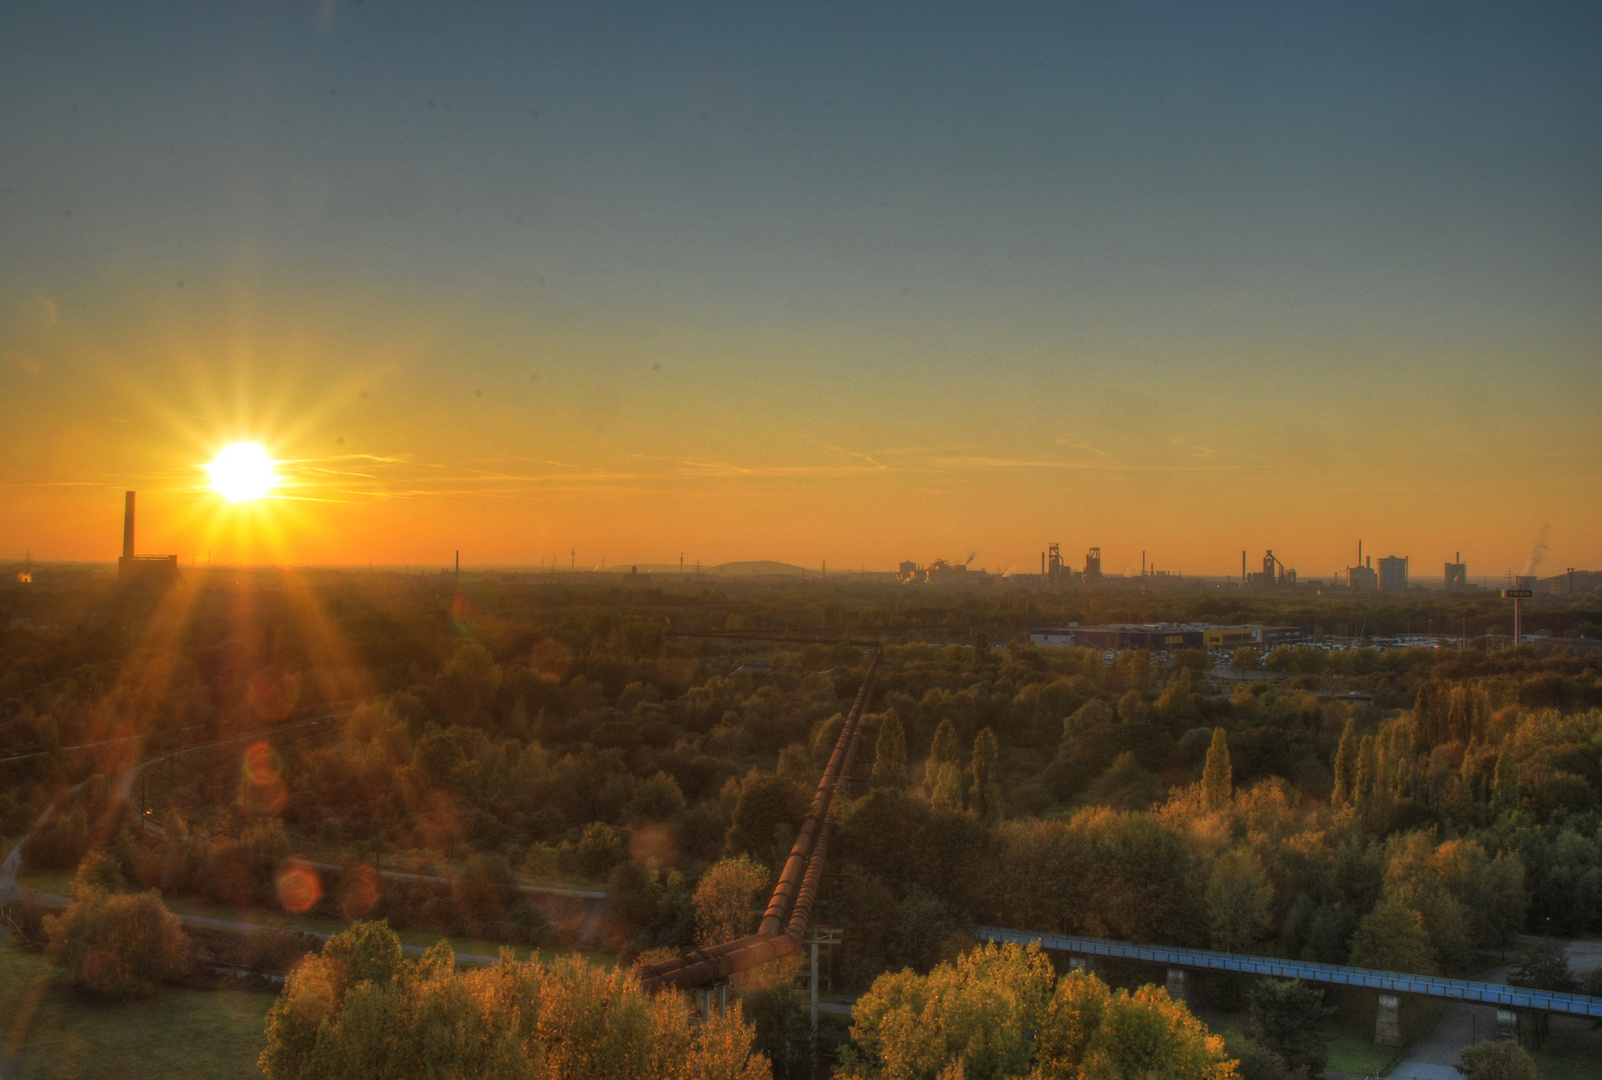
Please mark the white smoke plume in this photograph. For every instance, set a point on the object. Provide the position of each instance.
(1538, 552)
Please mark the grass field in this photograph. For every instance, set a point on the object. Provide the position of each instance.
(1349, 1051)
(1571, 1050)
(1351, 1054)
(47, 1031)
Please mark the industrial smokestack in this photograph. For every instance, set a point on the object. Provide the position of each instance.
(128, 525)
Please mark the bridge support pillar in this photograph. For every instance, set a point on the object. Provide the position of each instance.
(1507, 1024)
(1388, 1026)
(1178, 987)
(1079, 963)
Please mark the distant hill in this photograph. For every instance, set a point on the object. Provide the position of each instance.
(759, 566)
(756, 568)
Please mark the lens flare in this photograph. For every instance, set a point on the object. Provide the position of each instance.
(242, 472)
(262, 790)
(298, 888)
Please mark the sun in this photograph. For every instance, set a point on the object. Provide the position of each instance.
(242, 472)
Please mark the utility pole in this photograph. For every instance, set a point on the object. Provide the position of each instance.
(572, 559)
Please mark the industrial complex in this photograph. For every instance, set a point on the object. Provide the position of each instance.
(132, 567)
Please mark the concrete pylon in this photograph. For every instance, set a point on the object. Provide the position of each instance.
(1388, 1025)
(1507, 1024)
(1178, 987)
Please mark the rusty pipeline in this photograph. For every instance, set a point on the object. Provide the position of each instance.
(790, 906)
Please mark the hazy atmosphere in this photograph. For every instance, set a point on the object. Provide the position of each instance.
(612, 541)
(827, 283)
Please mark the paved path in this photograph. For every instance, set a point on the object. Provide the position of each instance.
(211, 923)
(1437, 1054)
(9, 890)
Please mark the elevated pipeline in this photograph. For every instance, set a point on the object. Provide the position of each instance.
(790, 907)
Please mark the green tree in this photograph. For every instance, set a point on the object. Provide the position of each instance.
(1218, 780)
(727, 900)
(1505, 783)
(985, 797)
(942, 751)
(942, 773)
(1239, 900)
(468, 681)
(767, 811)
(1545, 967)
(1345, 768)
(890, 754)
(656, 799)
(116, 946)
(1245, 659)
(946, 793)
(98, 872)
(1363, 782)
(1392, 938)
(1286, 1017)
(1499, 1059)
(1132, 708)
(1000, 1011)
(483, 890)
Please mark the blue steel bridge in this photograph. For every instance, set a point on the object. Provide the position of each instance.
(1512, 998)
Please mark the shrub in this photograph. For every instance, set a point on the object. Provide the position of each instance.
(115, 946)
(26, 919)
(98, 873)
(59, 843)
(1498, 1060)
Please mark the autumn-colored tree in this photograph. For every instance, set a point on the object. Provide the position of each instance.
(984, 800)
(116, 946)
(890, 753)
(1218, 779)
(727, 899)
(359, 1011)
(1000, 1011)
(1345, 768)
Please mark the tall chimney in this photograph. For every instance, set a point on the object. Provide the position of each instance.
(128, 525)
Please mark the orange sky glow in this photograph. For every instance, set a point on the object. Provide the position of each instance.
(804, 284)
